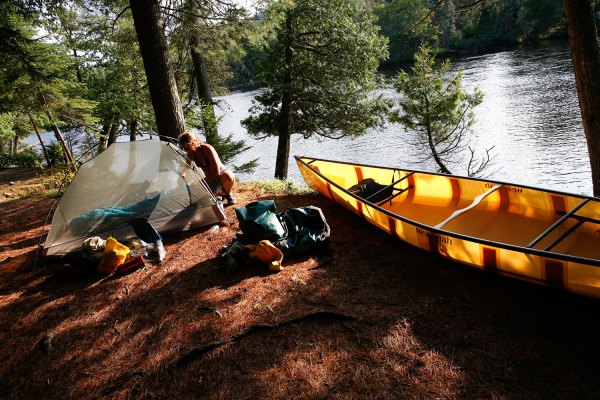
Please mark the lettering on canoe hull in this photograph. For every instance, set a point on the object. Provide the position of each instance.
(507, 188)
(434, 238)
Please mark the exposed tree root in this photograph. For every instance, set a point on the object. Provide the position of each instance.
(120, 382)
(203, 349)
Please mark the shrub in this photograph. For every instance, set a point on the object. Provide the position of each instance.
(27, 159)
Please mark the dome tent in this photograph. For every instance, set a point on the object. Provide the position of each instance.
(129, 180)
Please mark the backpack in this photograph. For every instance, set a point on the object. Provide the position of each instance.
(295, 231)
(307, 230)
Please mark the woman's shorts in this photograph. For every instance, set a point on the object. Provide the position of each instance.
(215, 185)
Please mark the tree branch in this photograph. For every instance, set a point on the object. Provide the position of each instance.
(470, 6)
(431, 10)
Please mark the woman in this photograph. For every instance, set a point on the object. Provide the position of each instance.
(219, 179)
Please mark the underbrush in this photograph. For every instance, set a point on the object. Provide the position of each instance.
(47, 184)
(277, 187)
(25, 159)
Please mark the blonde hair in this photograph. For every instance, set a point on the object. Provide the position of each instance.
(188, 137)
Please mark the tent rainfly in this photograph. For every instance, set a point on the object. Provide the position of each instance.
(128, 180)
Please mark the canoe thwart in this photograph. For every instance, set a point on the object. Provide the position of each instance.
(564, 235)
(391, 185)
(400, 191)
(557, 223)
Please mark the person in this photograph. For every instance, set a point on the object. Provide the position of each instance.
(219, 179)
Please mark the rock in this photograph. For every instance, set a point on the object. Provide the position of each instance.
(12, 183)
(47, 343)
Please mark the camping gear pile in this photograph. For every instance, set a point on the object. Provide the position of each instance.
(267, 235)
(132, 190)
(110, 256)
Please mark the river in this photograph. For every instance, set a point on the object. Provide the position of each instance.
(529, 113)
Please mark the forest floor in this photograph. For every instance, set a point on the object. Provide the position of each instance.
(373, 318)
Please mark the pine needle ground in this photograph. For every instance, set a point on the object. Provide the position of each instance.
(371, 318)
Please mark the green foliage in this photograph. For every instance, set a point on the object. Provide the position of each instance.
(403, 22)
(228, 149)
(220, 33)
(55, 153)
(206, 39)
(7, 123)
(25, 159)
(58, 180)
(458, 25)
(323, 56)
(435, 107)
(40, 79)
(540, 19)
(489, 25)
(118, 81)
(495, 24)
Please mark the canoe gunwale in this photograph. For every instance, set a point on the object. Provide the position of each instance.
(501, 245)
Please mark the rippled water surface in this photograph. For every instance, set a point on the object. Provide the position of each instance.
(529, 113)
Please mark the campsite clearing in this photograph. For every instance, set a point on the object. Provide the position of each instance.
(372, 318)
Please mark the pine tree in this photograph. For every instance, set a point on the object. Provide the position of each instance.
(318, 73)
(434, 106)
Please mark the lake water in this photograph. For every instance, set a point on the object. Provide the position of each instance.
(530, 114)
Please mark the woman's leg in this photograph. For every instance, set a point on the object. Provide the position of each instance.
(227, 180)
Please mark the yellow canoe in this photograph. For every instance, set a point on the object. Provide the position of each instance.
(541, 236)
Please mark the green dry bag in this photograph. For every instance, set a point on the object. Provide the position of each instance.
(258, 221)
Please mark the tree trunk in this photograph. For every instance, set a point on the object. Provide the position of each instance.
(205, 99)
(77, 66)
(285, 116)
(104, 135)
(586, 64)
(133, 130)
(60, 138)
(114, 130)
(436, 156)
(56, 130)
(149, 28)
(283, 145)
(46, 155)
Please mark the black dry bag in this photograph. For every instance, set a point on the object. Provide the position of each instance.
(307, 230)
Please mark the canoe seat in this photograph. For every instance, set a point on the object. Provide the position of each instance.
(370, 190)
(474, 204)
